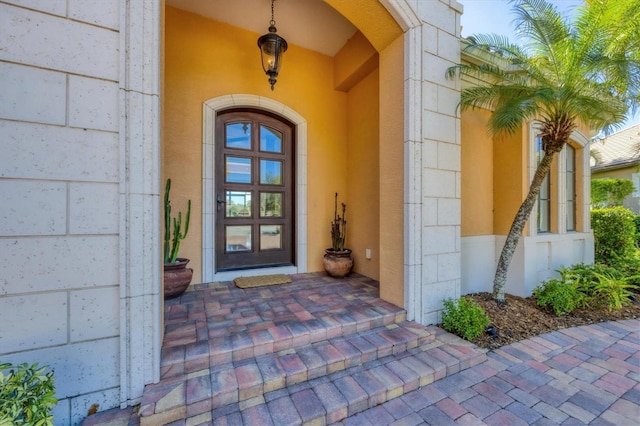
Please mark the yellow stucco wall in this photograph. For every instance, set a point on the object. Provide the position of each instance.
(477, 176)
(205, 59)
(495, 177)
(510, 181)
(362, 175)
(391, 173)
(354, 62)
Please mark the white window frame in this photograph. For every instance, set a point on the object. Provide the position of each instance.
(581, 146)
(565, 198)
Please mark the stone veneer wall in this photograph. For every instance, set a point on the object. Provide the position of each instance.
(79, 196)
(432, 155)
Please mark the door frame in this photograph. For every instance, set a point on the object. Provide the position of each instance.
(210, 111)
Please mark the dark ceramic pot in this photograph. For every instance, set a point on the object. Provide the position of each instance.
(177, 278)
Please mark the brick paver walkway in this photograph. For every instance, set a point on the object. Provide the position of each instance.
(325, 351)
(582, 375)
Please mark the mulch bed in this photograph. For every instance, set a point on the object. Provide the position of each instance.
(521, 318)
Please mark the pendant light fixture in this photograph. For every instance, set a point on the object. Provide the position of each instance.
(272, 46)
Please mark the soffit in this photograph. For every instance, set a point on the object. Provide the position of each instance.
(311, 24)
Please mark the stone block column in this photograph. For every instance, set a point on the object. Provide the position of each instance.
(140, 265)
(432, 160)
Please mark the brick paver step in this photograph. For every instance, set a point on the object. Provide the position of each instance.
(235, 347)
(245, 379)
(333, 398)
(226, 324)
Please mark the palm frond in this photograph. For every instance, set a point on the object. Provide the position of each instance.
(543, 29)
(587, 70)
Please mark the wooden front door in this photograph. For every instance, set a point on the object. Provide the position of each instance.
(254, 190)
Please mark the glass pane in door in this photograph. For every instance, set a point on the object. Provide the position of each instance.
(238, 238)
(270, 204)
(270, 237)
(270, 172)
(270, 140)
(238, 204)
(238, 170)
(238, 135)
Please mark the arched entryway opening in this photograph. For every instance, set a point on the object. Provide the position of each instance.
(342, 130)
(379, 132)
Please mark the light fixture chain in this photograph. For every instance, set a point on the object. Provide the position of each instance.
(273, 22)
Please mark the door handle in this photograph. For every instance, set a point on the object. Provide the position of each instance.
(220, 201)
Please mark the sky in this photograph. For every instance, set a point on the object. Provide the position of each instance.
(495, 16)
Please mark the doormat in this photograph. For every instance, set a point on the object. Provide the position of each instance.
(261, 280)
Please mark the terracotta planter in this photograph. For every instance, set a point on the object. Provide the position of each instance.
(177, 278)
(338, 264)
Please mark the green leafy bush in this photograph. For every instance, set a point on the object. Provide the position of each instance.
(627, 267)
(561, 296)
(610, 192)
(26, 395)
(636, 221)
(612, 290)
(584, 285)
(614, 233)
(464, 318)
(584, 276)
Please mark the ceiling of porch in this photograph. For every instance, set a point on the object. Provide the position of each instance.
(311, 24)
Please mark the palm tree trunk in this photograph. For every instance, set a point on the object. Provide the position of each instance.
(500, 279)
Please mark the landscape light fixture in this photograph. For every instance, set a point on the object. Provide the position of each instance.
(272, 46)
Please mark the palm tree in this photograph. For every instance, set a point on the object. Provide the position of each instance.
(562, 74)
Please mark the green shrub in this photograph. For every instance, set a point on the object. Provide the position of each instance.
(636, 221)
(580, 274)
(562, 296)
(584, 285)
(612, 290)
(614, 233)
(26, 395)
(610, 192)
(627, 267)
(464, 318)
(584, 276)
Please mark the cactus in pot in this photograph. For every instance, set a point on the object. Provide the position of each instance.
(338, 226)
(337, 260)
(173, 230)
(177, 276)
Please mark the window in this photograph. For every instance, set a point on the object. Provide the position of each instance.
(570, 176)
(560, 207)
(544, 197)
